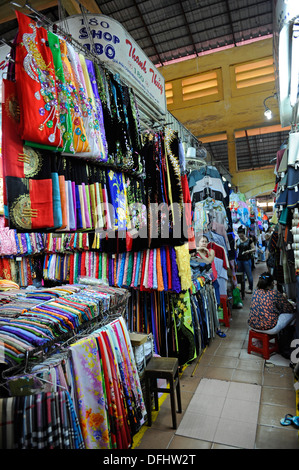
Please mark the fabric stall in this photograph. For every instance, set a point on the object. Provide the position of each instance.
(212, 218)
(85, 392)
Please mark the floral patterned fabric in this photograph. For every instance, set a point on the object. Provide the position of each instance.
(266, 305)
(90, 389)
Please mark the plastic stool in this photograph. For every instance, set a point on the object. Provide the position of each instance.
(267, 347)
(162, 368)
(226, 313)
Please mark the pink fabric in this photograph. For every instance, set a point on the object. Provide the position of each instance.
(150, 270)
(134, 269)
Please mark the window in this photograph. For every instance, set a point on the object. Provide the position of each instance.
(169, 93)
(254, 73)
(202, 85)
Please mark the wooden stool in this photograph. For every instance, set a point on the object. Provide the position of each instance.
(162, 368)
(267, 347)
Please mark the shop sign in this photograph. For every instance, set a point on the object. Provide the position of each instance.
(108, 39)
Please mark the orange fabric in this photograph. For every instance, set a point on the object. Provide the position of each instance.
(159, 272)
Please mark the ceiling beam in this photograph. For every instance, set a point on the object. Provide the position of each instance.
(72, 7)
(147, 31)
(230, 21)
(249, 149)
(8, 10)
(188, 28)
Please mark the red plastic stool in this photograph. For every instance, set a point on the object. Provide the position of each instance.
(226, 313)
(267, 347)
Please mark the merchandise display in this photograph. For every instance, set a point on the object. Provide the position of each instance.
(118, 224)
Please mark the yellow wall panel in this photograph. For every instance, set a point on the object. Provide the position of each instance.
(232, 109)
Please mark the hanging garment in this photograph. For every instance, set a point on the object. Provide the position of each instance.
(27, 173)
(99, 108)
(93, 112)
(117, 198)
(293, 149)
(65, 119)
(181, 310)
(188, 229)
(91, 394)
(205, 182)
(41, 421)
(36, 85)
(93, 150)
(79, 136)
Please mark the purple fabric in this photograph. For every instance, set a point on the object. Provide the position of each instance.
(73, 185)
(92, 76)
(175, 278)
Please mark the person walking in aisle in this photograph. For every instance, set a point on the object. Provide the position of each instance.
(245, 249)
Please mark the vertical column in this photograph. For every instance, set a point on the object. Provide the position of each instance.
(231, 150)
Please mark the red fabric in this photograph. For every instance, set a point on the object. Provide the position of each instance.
(219, 253)
(33, 57)
(142, 288)
(41, 199)
(168, 264)
(12, 144)
(71, 273)
(188, 212)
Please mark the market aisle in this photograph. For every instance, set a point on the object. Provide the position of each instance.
(227, 363)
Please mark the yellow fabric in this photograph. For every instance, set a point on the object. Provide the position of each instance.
(183, 262)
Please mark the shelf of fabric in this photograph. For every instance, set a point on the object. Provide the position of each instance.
(91, 386)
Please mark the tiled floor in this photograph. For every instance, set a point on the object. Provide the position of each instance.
(247, 418)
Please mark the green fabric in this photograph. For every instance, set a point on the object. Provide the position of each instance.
(65, 119)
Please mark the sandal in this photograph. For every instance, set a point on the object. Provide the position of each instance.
(221, 334)
(290, 419)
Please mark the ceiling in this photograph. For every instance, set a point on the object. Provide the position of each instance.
(168, 30)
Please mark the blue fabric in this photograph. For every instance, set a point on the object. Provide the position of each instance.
(175, 278)
(117, 199)
(57, 212)
(78, 209)
(122, 270)
(245, 267)
(217, 291)
(137, 268)
(164, 267)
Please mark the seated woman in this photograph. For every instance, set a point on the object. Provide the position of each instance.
(270, 311)
(206, 256)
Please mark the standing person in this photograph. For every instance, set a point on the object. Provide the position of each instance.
(245, 249)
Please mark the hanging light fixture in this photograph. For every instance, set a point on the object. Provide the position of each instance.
(268, 112)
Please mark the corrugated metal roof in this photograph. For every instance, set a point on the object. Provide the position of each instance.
(177, 29)
(172, 29)
(259, 150)
(169, 30)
